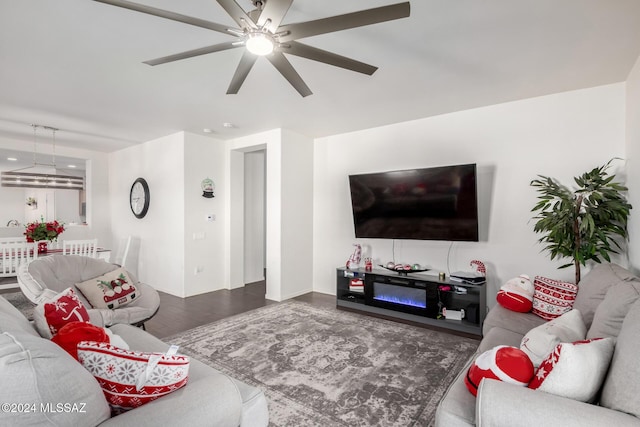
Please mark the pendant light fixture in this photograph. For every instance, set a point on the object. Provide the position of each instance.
(21, 178)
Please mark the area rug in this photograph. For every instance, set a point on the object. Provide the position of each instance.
(19, 301)
(324, 367)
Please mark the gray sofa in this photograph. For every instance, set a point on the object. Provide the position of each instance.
(38, 376)
(609, 301)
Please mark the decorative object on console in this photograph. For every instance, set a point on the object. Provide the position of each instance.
(479, 267)
(477, 276)
(43, 232)
(208, 187)
(354, 260)
(584, 224)
(540, 341)
(453, 314)
(517, 294)
(552, 298)
(503, 363)
(575, 370)
(356, 285)
(111, 290)
(403, 269)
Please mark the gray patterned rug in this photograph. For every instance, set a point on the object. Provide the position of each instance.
(325, 367)
(18, 300)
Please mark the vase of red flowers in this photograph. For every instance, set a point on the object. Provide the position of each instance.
(43, 232)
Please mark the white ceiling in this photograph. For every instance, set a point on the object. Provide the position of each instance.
(77, 65)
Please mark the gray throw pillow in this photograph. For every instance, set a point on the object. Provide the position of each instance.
(58, 390)
(622, 385)
(594, 286)
(611, 312)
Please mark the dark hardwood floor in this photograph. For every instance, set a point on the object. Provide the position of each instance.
(180, 314)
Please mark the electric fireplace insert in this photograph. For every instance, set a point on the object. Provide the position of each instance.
(403, 294)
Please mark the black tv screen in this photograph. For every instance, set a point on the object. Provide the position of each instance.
(438, 203)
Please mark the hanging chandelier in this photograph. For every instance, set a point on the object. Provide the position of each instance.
(21, 178)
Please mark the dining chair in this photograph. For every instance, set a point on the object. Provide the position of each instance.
(87, 247)
(12, 255)
(121, 255)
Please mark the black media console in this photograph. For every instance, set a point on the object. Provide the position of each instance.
(414, 297)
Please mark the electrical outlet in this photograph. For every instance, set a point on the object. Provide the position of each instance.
(210, 217)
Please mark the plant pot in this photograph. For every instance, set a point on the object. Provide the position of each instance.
(42, 247)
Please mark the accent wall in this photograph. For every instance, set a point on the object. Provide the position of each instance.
(560, 135)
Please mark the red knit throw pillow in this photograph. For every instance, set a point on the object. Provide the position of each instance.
(73, 333)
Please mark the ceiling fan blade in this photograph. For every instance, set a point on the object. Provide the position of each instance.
(344, 22)
(274, 11)
(309, 52)
(286, 69)
(237, 13)
(195, 52)
(168, 15)
(245, 65)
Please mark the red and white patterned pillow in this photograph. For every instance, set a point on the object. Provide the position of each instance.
(575, 370)
(111, 290)
(552, 298)
(130, 378)
(64, 308)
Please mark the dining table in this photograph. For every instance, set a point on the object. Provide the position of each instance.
(8, 283)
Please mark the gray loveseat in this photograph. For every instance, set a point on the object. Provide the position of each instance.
(609, 301)
(43, 385)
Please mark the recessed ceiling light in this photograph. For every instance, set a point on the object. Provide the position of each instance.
(228, 125)
(207, 130)
(12, 159)
(71, 166)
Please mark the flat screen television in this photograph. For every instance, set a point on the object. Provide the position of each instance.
(438, 203)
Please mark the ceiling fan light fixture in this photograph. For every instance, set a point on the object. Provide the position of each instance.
(260, 43)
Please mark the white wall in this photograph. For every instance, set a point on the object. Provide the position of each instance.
(289, 251)
(560, 135)
(203, 158)
(254, 216)
(297, 214)
(161, 232)
(633, 162)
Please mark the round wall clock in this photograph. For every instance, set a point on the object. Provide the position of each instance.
(139, 197)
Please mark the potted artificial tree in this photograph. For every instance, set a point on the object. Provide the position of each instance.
(585, 224)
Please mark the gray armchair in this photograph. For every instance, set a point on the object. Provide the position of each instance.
(45, 277)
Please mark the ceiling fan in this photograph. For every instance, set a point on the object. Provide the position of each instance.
(262, 33)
